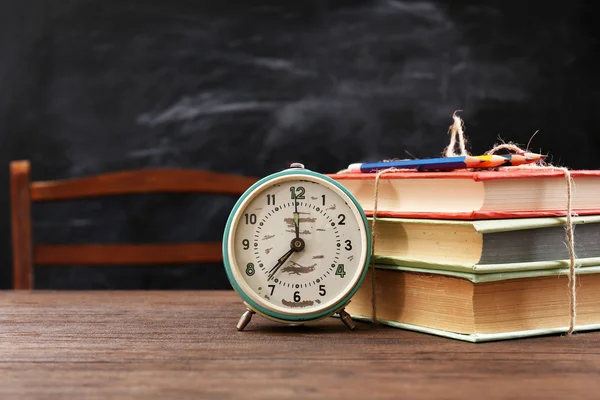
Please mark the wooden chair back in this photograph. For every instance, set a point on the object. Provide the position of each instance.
(24, 192)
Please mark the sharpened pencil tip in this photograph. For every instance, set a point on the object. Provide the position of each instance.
(534, 156)
(496, 160)
(474, 159)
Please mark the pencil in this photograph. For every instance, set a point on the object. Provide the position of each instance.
(522, 158)
(428, 164)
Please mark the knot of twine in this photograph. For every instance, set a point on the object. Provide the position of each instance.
(456, 131)
(457, 138)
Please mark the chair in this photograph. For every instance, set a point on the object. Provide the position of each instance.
(168, 180)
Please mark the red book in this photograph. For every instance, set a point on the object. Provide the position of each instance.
(508, 193)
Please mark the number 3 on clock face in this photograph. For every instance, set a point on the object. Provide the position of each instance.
(296, 246)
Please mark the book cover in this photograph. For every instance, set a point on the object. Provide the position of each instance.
(469, 195)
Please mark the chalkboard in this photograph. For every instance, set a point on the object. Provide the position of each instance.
(249, 86)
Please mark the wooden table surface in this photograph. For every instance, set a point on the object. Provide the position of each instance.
(181, 345)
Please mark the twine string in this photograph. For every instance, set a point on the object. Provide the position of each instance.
(569, 228)
(507, 146)
(571, 245)
(373, 239)
(456, 130)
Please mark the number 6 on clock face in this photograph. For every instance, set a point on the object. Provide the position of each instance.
(296, 246)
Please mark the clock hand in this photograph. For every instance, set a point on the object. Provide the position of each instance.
(280, 262)
(297, 243)
(296, 219)
(282, 259)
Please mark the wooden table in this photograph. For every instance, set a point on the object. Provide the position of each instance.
(184, 345)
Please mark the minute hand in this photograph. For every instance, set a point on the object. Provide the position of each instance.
(280, 262)
(296, 219)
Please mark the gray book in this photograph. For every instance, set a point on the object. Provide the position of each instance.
(487, 245)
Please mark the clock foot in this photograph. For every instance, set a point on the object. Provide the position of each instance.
(347, 319)
(244, 320)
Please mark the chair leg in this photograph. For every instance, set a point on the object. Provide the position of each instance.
(22, 246)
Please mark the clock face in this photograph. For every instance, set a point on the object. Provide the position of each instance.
(298, 245)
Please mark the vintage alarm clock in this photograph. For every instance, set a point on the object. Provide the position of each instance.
(296, 247)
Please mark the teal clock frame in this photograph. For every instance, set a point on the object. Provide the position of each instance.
(272, 314)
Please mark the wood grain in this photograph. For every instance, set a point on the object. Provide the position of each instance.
(128, 254)
(164, 180)
(184, 345)
(20, 203)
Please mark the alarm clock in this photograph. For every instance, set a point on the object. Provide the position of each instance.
(296, 248)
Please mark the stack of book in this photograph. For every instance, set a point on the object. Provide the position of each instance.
(480, 256)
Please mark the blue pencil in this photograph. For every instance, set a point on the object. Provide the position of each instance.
(429, 164)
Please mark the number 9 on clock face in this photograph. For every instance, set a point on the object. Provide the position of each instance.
(296, 246)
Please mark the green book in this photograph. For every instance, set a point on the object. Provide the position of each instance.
(479, 307)
(486, 246)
